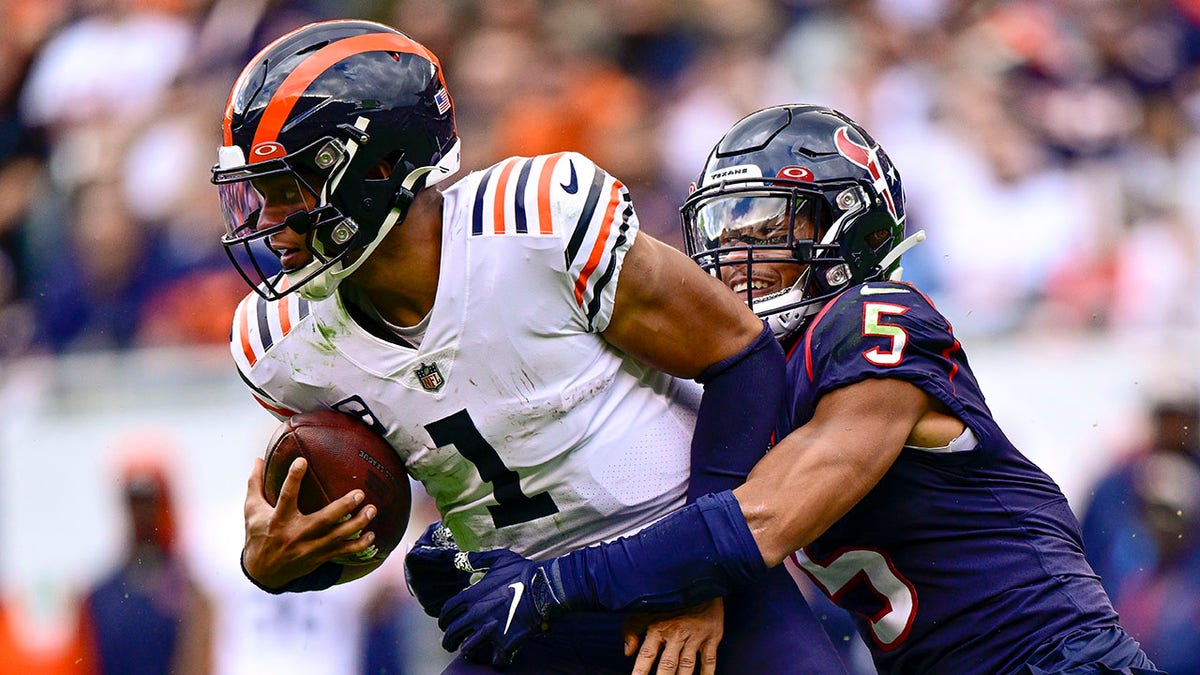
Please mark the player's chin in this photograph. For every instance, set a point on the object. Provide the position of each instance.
(293, 260)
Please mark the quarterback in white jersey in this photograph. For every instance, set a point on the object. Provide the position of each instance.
(529, 430)
(513, 336)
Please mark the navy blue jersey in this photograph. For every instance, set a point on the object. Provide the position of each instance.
(959, 561)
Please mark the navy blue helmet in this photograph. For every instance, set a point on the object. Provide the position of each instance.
(795, 204)
(358, 115)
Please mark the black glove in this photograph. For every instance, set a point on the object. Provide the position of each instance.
(491, 619)
(430, 569)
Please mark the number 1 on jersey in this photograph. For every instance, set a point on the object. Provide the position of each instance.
(513, 506)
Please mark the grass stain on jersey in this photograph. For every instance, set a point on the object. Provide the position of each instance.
(329, 333)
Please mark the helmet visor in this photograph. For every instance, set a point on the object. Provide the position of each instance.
(732, 221)
(296, 179)
(761, 220)
(242, 202)
(257, 203)
(758, 240)
(240, 205)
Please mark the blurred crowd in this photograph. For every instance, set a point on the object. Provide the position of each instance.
(174, 603)
(1141, 532)
(1049, 148)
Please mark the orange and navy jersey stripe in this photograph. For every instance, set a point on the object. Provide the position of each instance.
(597, 263)
(258, 324)
(503, 203)
(564, 195)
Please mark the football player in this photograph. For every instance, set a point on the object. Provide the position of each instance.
(891, 485)
(514, 337)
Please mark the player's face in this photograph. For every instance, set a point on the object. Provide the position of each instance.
(761, 224)
(263, 204)
(283, 195)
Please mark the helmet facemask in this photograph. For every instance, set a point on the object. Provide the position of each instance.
(334, 180)
(304, 178)
(342, 123)
(774, 242)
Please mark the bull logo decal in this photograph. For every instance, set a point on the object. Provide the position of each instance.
(867, 158)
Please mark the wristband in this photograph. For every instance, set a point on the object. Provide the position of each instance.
(698, 552)
(319, 579)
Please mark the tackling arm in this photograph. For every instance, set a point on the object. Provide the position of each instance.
(670, 314)
(803, 485)
(706, 549)
(818, 472)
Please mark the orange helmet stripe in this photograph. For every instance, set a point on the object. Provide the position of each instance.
(227, 120)
(295, 84)
(298, 82)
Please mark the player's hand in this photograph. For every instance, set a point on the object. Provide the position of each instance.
(430, 571)
(283, 544)
(679, 641)
(511, 603)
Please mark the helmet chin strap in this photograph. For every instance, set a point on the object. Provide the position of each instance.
(784, 323)
(325, 283)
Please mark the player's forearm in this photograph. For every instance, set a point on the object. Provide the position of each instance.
(817, 473)
(699, 552)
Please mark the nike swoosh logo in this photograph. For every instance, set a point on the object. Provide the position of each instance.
(868, 290)
(518, 591)
(571, 186)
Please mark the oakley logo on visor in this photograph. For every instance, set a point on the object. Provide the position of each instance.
(795, 173)
(268, 150)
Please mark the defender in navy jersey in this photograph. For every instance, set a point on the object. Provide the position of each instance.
(523, 347)
(961, 558)
(891, 484)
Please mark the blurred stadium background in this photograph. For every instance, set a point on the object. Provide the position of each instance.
(1049, 148)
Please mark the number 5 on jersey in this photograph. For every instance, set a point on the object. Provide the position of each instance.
(873, 312)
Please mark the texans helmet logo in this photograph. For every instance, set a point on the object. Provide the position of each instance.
(867, 158)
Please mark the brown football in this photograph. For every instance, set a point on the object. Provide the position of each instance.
(343, 454)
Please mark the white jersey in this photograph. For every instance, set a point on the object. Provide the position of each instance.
(529, 430)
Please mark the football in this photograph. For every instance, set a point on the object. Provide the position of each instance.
(343, 454)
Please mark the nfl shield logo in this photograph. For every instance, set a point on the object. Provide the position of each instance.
(430, 377)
